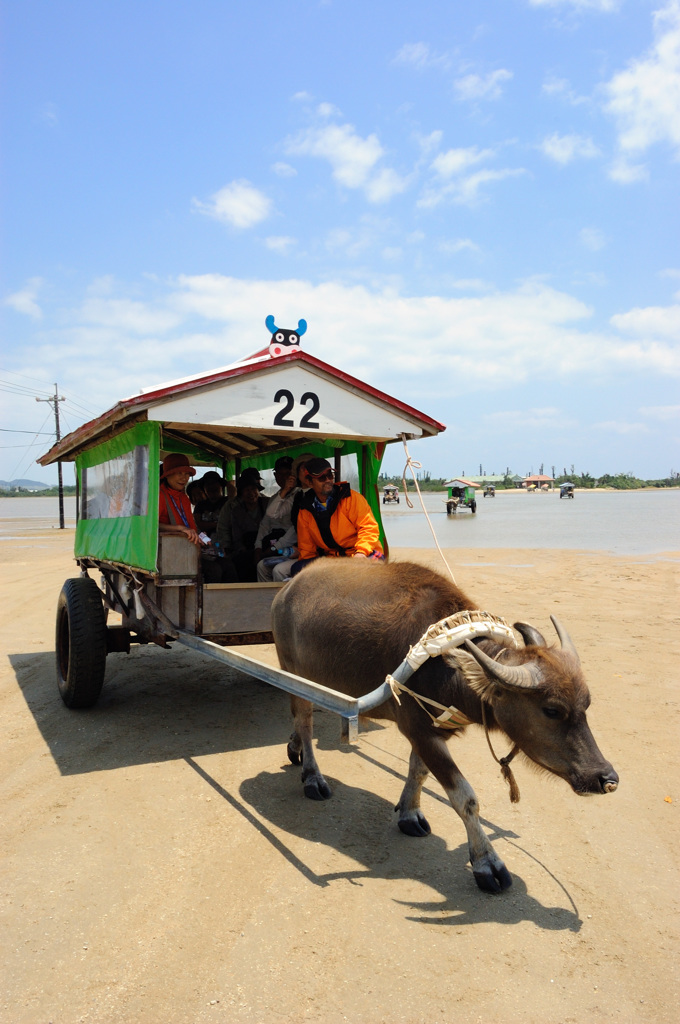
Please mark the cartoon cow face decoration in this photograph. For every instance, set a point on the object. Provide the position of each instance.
(284, 341)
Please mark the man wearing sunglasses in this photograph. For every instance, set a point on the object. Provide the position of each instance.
(335, 520)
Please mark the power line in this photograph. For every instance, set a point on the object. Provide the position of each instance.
(21, 461)
(15, 374)
(9, 430)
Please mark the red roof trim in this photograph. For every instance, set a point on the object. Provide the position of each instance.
(150, 398)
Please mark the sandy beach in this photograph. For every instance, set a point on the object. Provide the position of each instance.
(160, 864)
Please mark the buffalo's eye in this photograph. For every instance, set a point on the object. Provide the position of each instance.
(279, 336)
(553, 712)
(293, 339)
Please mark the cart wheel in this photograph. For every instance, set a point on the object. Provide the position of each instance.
(473, 506)
(80, 642)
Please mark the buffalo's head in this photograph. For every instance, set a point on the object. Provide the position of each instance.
(539, 699)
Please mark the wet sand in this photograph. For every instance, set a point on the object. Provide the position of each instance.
(160, 864)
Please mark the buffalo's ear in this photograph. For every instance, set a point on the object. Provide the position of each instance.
(530, 635)
(474, 674)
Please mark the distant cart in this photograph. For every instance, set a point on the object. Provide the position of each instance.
(390, 495)
(248, 414)
(566, 490)
(460, 496)
(489, 491)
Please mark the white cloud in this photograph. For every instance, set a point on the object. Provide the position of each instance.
(491, 340)
(280, 243)
(549, 418)
(482, 87)
(593, 239)
(561, 87)
(421, 57)
(565, 148)
(113, 346)
(465, 190)
(328, 110)
(606, 6)
(622, 427)
(652, 321)
(471, 284)
(626, 173)
(239, 204)
(352, 158)
(283, 170)
(26, 300)
(384, 185)
(431, 142)
(141, 318)
(645, 98)
(455, 161)
(458, 245)
(664, 413)
(50, 115)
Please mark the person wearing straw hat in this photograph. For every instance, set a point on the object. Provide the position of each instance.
(174, 508)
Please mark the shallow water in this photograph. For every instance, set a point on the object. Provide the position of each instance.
(623, 522)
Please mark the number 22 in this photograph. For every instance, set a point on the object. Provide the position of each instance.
(309, 398)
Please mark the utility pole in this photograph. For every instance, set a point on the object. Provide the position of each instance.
(54, 402)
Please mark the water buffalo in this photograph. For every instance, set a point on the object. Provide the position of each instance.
(348, 625)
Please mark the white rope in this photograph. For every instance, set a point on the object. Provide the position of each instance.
(441, 636)
(412, 464)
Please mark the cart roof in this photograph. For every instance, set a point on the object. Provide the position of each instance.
(232, 411)
(460, 481)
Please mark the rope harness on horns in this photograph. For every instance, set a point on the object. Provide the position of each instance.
(440, 637)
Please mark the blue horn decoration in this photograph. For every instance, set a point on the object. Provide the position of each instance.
(271, 326)
(302, 327)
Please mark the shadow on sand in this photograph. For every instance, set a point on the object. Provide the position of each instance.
(161, 706)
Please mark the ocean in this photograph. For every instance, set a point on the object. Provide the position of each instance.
(621, 522)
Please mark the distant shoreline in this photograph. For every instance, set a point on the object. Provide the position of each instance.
(70, 492)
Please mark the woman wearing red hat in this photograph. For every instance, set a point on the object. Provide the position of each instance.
(174, 508)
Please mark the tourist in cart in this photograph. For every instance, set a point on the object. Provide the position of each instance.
(282, 511)
(334, 520)
(237, 528)
(174, 508)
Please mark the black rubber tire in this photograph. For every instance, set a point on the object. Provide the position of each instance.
(80, 642)
(473, 506)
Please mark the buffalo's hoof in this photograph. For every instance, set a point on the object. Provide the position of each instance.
(294, 755)
(415, 825)
(493, 879)
(317, 789)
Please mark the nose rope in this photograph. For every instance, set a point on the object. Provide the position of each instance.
(412, 465)
(504, 762)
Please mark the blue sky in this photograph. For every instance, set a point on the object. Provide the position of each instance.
(474, 206)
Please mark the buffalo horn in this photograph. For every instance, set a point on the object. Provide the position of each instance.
(530, 635)
(519, 677)
(565, 639)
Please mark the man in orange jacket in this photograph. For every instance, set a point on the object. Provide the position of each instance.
(334, 520)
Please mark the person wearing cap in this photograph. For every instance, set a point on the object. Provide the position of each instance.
(334, 520)
(174, 508)
(277, 529)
